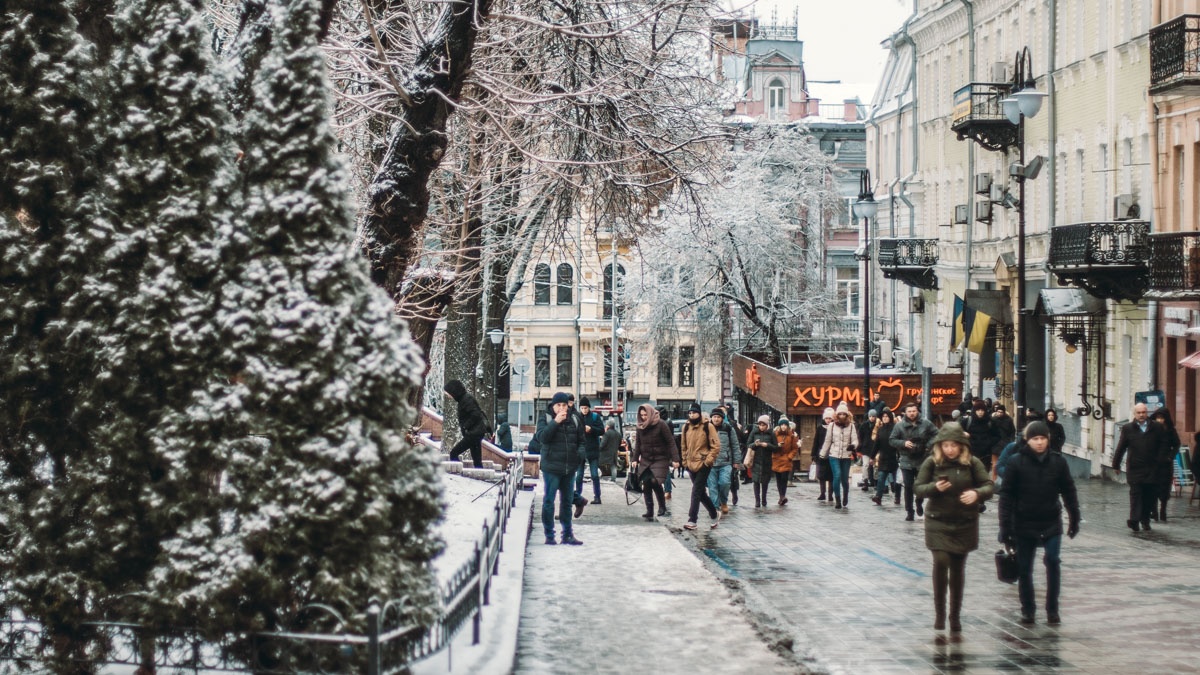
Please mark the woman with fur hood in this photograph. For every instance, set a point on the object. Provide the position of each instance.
(841, 446)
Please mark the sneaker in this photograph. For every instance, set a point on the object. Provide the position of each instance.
(1053, 618)
(550, 541)
(579, 508)
(1027, 619)
(572, 541)
(689, 526)
(716, 521)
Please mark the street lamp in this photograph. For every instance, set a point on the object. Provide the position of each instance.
(1023, 103)
(865, 207)
(497, 337)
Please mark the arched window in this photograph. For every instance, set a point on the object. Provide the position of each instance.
(777, 106)
(541, 284)
(566, 282)
(608, 291)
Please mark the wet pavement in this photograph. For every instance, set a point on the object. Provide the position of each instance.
(852, 589)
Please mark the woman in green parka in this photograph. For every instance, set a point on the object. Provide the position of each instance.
(953, 485)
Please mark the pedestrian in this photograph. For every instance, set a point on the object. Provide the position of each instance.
(782, 458)
(610, 445)
(1146, 442)
(472, 424)
(503, 433)
(1031, 514)
(867, 449)
(761, 446)
(823, 471)
(593, 429)
(654, 455)
(910, 438)
(955, 483)
(877, 404)
(699, 447)
(841, 441)
(667, 484)
(1164, 472)
(967, 405)
(739, 465)
(1006, 431)
(561, 439)
(1058, 435)
(984, 431)
(886, 460)
(728, 460)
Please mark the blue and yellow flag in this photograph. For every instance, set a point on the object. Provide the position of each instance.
(968, 325)
(957, 334)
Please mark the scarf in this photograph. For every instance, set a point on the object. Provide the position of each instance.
(652, 417)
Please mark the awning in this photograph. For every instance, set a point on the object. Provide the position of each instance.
(1066, 302)
(993, 303)
(1191, 361)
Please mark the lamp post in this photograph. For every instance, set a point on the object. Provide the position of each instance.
(1024, 102)
(866, 208)
(497, 337)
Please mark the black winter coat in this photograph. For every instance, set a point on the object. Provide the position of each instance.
(886, 457)
(1029, 495)
(591, 439)
(761, 470)
(504, 432)
(1006, 429)
(819, 441)
(1145, 449)
(1164, 473)
(1058, 436)
(985, 437)
(471, 420)
(865, 445)
(561, 444)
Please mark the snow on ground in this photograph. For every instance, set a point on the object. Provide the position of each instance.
(466, 512)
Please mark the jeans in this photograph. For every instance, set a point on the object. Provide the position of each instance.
(910, 479)
(556, 485)
(472, 443)
(1026, 550)
(719, 480)
(700, 495)
(583, 466)
(882, 479)
(840, 468)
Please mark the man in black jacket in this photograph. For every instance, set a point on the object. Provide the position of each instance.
(593, 429)
(1146, 442)
(471, 423)
(1031, 514)
(561, 439)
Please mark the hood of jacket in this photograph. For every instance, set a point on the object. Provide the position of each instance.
(455, 389)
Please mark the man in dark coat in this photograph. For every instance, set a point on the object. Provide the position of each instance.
(985, 434)
(503, 432)
(1031, 514)
(560, 437)
(471, 423)
(910, 438)
(1146, 442)
(593, 429)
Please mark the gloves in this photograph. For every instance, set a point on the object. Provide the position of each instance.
(1072, 530)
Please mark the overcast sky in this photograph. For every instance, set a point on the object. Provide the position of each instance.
(841, 39)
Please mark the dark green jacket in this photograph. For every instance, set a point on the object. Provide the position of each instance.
(951, 525)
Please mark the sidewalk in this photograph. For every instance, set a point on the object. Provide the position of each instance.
(631, 599)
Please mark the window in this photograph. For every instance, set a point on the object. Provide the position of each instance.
(687, 285)
(608, 291)
(666, 367)
(541, 366)
(847, 290)
(541, 285)
(687, 366)
(562, 366)
(566, 283)
(621, 366)
(776, 100)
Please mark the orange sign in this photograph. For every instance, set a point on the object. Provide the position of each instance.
(753, 379)
(811, 394)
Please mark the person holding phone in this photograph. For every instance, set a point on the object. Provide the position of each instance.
(954, 484)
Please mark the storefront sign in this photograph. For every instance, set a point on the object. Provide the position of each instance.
(811, 394)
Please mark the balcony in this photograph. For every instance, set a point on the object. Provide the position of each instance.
(979, 116)
(910, 260)
(1111, 260)
(1175, 56)
(1175, 266)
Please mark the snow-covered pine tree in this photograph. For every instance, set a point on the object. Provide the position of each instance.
(337, 508)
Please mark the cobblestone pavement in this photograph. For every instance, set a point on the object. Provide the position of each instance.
(852, 588)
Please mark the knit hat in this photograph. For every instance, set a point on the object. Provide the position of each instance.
(560, 397)
(872, 413)
(1000, 406)
(583, 400)
(782, 421)
(843, 408)
(764, 419)
(570, 397)
(1037, 428)
(951, 431)
(979, 404)
(828, 413)
(717, 411)
(694, 408)
(455, 389)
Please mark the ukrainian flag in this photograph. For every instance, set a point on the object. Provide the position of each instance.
(969, 325)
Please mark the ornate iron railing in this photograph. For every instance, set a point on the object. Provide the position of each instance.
(909, 260)
(979, 115)
(1175, 264)
(1109, 259)
(1175, 53)
(388, 645)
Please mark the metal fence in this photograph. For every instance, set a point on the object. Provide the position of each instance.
(387, 646)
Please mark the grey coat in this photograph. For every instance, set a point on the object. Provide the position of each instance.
(920, 433)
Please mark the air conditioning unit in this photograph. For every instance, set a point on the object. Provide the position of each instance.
(983, 183)
(1125, 207)
(996, 194)
(902, 358)
(955, 358)
(858, 361)
(983, 212)
(960, 214)
(885, 352)
(916, 304)
(1000, 71)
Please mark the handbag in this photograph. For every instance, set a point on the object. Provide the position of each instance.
(1006, 566)
(633, 486)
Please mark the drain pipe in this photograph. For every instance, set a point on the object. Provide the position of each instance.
(970, 8)
(1052, 170)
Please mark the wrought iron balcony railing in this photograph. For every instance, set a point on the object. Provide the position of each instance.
(1109, 259)
(1175, 265)
(978, 115)
(909, 260)
(1175, 55)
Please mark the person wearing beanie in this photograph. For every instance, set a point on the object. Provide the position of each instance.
(698, 448)
(472, 424)
(783, 458)
(720, 478)
(760, 447)
(1031, 515)
(910, 438)
(985, 433)
(739, 464)
(955, 484)
(593, 429)
(840, 447)
(1006, 431)
(824, 473)
(560, 436)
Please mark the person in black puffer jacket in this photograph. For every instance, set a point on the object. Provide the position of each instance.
(1031, 514)
(560, 436)
(471, 423)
